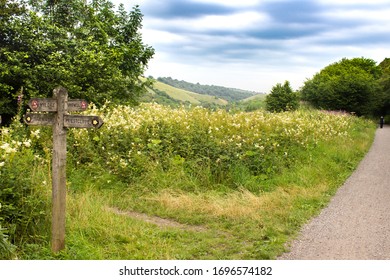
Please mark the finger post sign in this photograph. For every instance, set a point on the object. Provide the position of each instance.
(53, 112)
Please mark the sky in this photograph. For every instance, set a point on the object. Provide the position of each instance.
(255, 44)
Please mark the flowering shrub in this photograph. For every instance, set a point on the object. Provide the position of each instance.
(134, 140)
(23, 205)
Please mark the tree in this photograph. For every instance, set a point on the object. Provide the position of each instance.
(385, 83)
(8, 10)
(282, 98)
(350, 85)
(95, 52)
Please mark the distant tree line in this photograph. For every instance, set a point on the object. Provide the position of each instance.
(229, 94)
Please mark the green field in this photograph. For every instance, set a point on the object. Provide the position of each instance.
(255, 98)
(187, 96)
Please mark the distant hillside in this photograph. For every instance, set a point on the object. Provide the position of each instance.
(260, 96)
(169, 95)
(229, 94)
(252, 103)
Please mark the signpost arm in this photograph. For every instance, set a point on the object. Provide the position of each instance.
(59, 172)
(60, 122)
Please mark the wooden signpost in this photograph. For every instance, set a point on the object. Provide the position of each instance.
(50, 105)
(56, 109)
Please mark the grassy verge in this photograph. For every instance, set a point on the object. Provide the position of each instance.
(213, 220)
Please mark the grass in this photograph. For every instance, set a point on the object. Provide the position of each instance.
(255, 97)
(188, 96)
(237, 223)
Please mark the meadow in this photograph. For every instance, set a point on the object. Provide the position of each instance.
(185, 96)
(184, 183)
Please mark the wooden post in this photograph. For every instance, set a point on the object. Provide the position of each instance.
(56, 116)
(59, 172)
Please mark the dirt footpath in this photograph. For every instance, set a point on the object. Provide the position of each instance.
(356, 223)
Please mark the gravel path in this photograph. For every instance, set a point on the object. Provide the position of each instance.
(356, 223)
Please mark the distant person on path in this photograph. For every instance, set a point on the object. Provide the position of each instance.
(381, 122)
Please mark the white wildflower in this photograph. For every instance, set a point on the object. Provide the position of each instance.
(7, 148)
(27, 143)
(35, 133)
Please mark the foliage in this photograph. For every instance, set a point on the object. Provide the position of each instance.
(350, 85)
(253, 105)
(385, 82)
(133, 140)
(23, 202)
(95, 52)
(229, 94)
(282, 98)
(6, 248)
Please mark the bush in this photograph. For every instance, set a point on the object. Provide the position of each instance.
(134, 141)
(350, 85)
(22, 195)
(282, 98)
(6, 248)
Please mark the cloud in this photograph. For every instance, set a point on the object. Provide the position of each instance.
(173, 9)
(256, 43)
(231, 3)
(293, 12)
(209, 23)
(364, 3)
